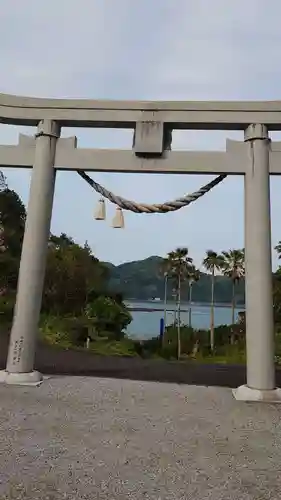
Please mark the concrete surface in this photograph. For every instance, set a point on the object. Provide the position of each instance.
(205, 115)
(93, 438)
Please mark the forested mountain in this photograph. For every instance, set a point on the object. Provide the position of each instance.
(143, 280)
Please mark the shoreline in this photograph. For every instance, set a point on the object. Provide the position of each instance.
(193, 304)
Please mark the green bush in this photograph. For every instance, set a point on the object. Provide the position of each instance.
(230, 354)
(169, 351)
(150, 346)
(65, 331)
(124, 347)
(108, 317)
(72, 332)
(196, 343)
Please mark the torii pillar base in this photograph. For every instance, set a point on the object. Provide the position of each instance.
(33, 378)
(245, 393)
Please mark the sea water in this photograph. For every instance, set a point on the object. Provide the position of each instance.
(146, 324)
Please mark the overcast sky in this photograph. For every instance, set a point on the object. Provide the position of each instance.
(144, 49)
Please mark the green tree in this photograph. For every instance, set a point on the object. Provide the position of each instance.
(178, 264)
(60, 241)
(234, 268)
(213, 262)
(108, 317)
(277, 296)
(71, 272)
(12, 223)
(12, 219)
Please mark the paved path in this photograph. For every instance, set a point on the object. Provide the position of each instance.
(57, 361)
(97, 439)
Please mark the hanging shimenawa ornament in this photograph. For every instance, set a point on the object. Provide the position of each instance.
(100, 211)
(118, 219)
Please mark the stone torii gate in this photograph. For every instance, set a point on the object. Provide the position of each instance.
(255, 159)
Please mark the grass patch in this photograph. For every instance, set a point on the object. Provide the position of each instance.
(229, 359)
(124, 348)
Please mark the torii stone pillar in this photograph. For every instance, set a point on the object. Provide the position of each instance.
(259, 307)
(20, 362)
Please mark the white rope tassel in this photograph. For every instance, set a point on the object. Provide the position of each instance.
(118, 219)
(100, 212)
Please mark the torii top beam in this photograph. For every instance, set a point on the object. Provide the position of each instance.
(225, 115)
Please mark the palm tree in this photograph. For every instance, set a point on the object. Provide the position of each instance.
(213, 262)
(234, 268)
(194, 275)
(178, 265)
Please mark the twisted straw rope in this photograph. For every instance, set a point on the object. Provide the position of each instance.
(162, 208)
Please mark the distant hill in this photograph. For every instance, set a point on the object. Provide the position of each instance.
(141, 280)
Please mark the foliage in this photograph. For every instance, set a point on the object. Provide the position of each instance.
(233, 264)
(195, 342)
(193, 275)
(55, 331)
(70, 331)
(12, 221)
(213, 261)
(125, 348)
(64, 331)
(72, 271)
(6, 308)
(277, 296)
(108, 318)
(178, 265)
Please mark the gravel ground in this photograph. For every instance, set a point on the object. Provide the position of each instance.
(96, 438)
